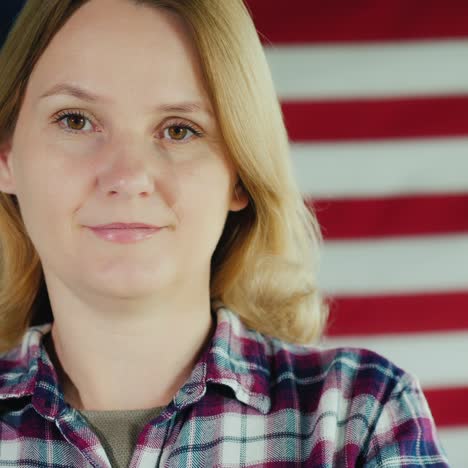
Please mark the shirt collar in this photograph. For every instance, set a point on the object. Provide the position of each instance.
(27, 371)
(236, 357)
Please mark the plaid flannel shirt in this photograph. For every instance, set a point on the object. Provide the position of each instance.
(251, 400)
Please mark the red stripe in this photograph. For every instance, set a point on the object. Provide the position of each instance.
(363, 119)
(448, 405)
(346, 218)
(361, 20)
(394, 314)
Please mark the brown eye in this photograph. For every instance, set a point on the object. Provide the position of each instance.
(76, 122)
(181, 132)
(177, 133)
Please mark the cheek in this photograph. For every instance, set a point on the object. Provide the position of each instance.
(44, 207)
(203, 204)
(48, 181)
(205, 185)
(75, 149)
(46, 194)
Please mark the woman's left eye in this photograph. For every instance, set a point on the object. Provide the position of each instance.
(181, 132)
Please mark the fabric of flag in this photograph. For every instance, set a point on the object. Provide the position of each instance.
(375, 99)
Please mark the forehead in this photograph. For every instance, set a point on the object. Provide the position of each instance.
(119, 48)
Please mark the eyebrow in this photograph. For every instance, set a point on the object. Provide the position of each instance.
(84, 95)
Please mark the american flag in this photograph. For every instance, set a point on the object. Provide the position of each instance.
(375, 99)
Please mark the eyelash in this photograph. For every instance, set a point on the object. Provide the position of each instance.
(61, 116)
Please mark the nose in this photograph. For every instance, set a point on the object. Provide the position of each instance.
(130, 182)
(130, 172)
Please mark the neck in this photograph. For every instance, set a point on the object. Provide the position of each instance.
(99, 370)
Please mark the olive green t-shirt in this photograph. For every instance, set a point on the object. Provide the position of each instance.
(118, 431)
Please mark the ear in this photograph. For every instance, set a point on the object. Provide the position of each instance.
(7, 180)
(239, 198)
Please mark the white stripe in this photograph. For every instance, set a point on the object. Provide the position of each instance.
(391, 167)
(454, 441)
(430, 357)
(396, 69)
(376, 266)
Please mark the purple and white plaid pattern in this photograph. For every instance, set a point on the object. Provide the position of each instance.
(251, 400)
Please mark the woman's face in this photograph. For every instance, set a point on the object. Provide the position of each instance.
(141, 145)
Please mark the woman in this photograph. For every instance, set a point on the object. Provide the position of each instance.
(158, 276)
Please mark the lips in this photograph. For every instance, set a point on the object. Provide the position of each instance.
(125, 233)
(125, 226)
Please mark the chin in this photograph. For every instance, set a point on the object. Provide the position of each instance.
(131, 286)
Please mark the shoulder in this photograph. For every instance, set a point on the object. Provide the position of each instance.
(353, 373)
(305, 370)
(355, 397)
(349, 362)
(355, 402)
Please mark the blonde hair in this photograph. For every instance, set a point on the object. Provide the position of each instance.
(265, 264)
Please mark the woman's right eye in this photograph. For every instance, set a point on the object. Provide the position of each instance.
(75, 122)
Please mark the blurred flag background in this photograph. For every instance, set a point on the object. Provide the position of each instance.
(375, 98)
